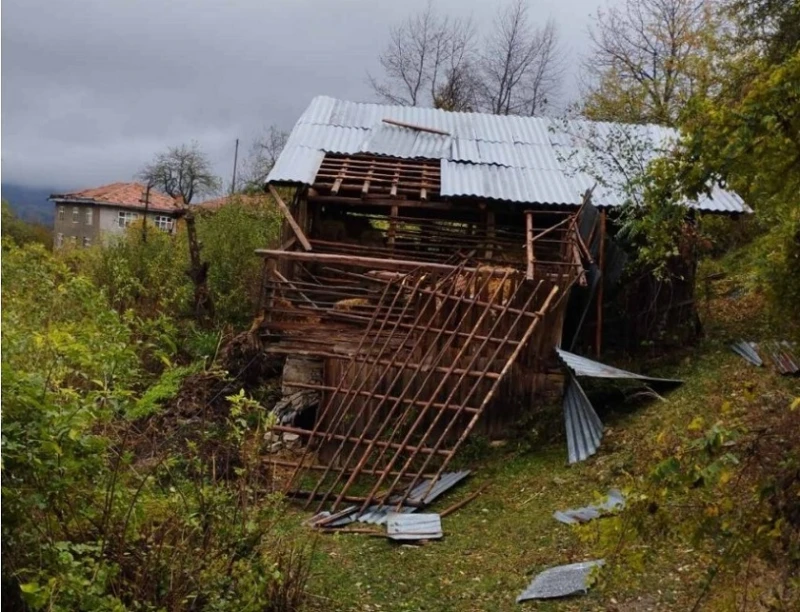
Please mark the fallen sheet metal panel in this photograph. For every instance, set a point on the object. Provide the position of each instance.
(584, 428)
(561, 581)
(783, 360)
(443, 484)
(748, 351)
(375, 515)
(581, 366)
(614, 501)
(414, 526)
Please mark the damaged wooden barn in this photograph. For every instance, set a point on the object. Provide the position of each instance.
(422, 285)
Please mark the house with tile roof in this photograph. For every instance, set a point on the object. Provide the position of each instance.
(92, 215)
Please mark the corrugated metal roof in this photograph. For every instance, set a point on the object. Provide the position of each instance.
(581, 366)
(584, 428)
(519, 159)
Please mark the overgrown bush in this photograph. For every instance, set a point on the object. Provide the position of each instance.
(89, 523)
(229, 237)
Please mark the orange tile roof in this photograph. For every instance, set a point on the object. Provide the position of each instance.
(254, 200)
(129, 195)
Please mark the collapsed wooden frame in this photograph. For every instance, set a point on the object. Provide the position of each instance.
(411, 393)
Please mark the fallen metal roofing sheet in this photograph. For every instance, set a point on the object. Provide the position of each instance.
(748, 351)
(784, 361)
(414, 526)
(561, 581)
(584, 428)
(445, 482)
(535, 150)
(614, 501)
(581, 366)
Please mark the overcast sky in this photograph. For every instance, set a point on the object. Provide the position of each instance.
(92, 89)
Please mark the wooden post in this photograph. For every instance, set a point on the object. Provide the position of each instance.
(529, 243)
(598, 337)
(393, 227)
(489, 233)
(288, 214)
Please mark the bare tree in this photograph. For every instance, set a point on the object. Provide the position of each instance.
(184, 172)
(428, 61)
(520, 65)
(646, 59)
(263, 154)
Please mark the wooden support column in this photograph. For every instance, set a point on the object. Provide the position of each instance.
(598, 338)
(288, 214)
(529, 244)
(393, 226)
(489, 233)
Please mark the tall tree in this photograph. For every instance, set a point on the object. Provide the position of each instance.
(520, 67)
(184, 172)
(428, 60)
(646, 60)
(435, 60)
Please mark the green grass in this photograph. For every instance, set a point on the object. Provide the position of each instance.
(494, 545)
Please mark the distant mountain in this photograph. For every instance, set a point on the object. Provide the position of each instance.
(30, 203)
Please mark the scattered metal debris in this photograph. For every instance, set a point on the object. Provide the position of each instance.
(748, 351)
(414, 526)
(560, 581)
(584, 428)
(581, 366)
(784, 361)
(614, 501)
(445, 482)
(378, 515)
(780, 353)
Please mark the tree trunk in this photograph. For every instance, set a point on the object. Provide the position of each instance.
(198, 272)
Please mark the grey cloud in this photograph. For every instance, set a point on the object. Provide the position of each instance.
(92, 89)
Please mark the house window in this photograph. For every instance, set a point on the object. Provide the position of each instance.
(59, 239)
(88, 216)
(163, 222)
(87, 242)
(61, 213)
(126, 217)
(76, 214)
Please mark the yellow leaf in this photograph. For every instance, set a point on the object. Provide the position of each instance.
(712, 510)
(795, 404)
(696, 424)
(725, 477)
(726, 407)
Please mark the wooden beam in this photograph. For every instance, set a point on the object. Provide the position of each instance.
(399, 265)
(402, 203)
(413, 126)
(392, 226)
(288, 214)
(598, 334)
(490, 233)
(529, 245)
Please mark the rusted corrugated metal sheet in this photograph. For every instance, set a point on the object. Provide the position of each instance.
(544, 159)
